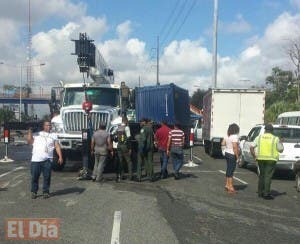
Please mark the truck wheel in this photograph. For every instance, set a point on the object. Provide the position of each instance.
(55, 165)
(298, 181)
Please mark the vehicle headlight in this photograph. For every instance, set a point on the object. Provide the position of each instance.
(57, 127)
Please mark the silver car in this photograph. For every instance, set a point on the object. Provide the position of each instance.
(290, 137)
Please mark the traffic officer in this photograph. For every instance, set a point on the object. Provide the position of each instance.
(124, 149)
(265, 150)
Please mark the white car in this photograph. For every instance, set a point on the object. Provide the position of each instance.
(290, 136)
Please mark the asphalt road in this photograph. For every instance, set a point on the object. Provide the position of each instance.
(194, 209)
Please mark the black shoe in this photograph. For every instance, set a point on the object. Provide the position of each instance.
(46, 195)
(33, 195)
(268, 197)
(176, 176)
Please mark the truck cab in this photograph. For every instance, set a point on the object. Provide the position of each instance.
(72, 119)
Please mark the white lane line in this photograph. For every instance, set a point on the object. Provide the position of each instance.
(9, 172)
(197, 158)
(115, 235)
(18, 176)
(17, 183)
(244, 182)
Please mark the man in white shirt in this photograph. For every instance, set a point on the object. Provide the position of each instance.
(44, 143)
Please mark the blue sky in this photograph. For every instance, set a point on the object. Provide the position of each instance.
(252, 34)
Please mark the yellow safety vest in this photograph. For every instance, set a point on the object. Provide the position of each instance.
(267, 147)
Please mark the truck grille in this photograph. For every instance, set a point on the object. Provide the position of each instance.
(75, 121)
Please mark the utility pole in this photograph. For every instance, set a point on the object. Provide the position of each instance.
(157, 62)
(215, 46)
(29, 56)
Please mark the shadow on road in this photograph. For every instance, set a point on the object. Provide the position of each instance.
(240, 187)
(275, 193)
(71, 190)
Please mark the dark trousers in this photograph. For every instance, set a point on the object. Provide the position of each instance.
(149, 164)
(177, 158)
(140, 164)
(124, 158)
(231, 164)
(36, 169)
(164, 162)
(266, 171)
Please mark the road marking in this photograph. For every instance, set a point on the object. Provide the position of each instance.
(244, 182)
(9, 172)
(197, 158)
(17, 183)
(115, 235)
(18, 176)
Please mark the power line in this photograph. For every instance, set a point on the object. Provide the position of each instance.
(169, 18)
(175, 21)
(185, 18)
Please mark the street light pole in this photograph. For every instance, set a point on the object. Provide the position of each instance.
(20, 105)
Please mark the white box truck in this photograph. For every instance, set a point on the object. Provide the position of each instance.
(222, 107)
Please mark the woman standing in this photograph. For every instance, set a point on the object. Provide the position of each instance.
(231, 143)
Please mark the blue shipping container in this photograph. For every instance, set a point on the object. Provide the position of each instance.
(164, 102)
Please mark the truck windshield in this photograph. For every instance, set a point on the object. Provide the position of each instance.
(97, 95)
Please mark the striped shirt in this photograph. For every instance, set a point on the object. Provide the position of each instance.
(177, 138)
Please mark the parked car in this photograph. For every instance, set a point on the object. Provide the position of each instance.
(290, 136)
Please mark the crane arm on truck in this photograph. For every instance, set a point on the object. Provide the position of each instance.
(91, 61)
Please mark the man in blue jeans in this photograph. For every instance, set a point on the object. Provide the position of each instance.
(44, 143)
(175, 147)
(161, 140)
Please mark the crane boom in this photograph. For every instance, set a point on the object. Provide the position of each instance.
(91, 61)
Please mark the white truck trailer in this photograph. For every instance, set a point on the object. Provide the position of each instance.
(222, 107)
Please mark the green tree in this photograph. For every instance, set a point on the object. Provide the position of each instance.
(280, 80)
(197, 98)
(6, 115)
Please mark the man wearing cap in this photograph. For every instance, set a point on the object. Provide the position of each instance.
(265, 150)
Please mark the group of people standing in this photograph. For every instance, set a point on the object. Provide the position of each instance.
(265, 150)
(169, 142)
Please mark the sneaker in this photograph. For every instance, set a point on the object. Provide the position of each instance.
(46, 195)
(33, 195)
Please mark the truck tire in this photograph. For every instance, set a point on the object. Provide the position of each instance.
(55, 165)
(298, 181)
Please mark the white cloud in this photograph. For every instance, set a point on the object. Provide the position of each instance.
(250, 52)
(295, 3)
(124, 29)
(41, 9)
(240, 25)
